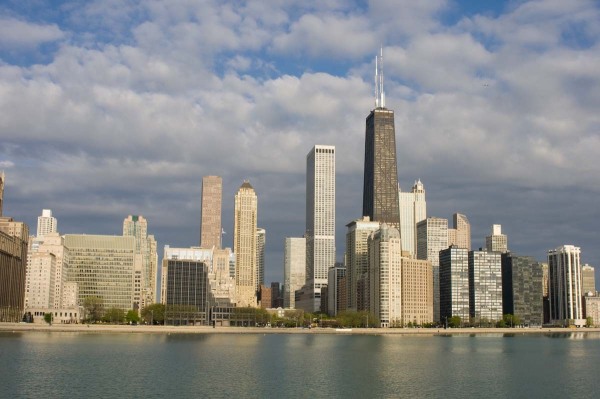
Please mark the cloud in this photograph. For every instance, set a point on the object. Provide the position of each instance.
(15, 33)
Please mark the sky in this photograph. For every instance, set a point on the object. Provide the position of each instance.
(118, 107)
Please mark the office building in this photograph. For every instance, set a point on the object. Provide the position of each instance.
(265, 297)
(103, 266)
(588, 280)
(210, 225)
(50, 244)
(432, 237)
(334, 279)
(276, 297)
(413, 209)
(454, 283)
(460, 234)
(384, 276)
(496, 242)
(357, 260)
(522, 289)
(564, 286)
(244, 245)
(261, 240)
(46, 223)
(39, 288)
(416, 291)
(380, 188)
(187, 292)
(485, 286)
(146, 261)
(592, 310)
(320, 221)
(294, 269)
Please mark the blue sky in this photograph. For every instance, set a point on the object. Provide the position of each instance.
(111, 108)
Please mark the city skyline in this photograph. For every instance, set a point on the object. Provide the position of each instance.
(111, 116)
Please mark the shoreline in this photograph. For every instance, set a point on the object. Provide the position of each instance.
(144, 329)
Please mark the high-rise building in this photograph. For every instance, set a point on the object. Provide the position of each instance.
(51, 244)
(413, 209)
(244, 244)
(276, 298)
(522, 288)
(454, 283)
(146, 261)
(294, 269)
(41, 273)
(320, 221)
(102, 266)
(187, 292)
(564, 288)
(357, 260)
(588, 280)
(2, 177)
(46, 223)
(460, 234)
(416, 291)
(380, 189)
(335, 276)
(210, 225)
(260, 256)
(485, 286)
(496, 242)
(432, 237)
(385, 268)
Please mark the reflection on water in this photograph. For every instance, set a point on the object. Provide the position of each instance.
(44, 365)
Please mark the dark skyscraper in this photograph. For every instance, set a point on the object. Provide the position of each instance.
(380, 191)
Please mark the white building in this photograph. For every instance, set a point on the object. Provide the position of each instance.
(39, 286)
(46, 223)
(564, 285)
(496, 242)
(413, 209)
(320, 220)
(294, 269)
(261, 240)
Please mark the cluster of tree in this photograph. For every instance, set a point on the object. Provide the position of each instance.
(154, 314)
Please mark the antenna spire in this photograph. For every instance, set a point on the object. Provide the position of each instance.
(379, 93)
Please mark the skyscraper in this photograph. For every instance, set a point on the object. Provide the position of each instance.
(244, 244)
(432, 237)
(380, 189)
(564, 286)
(335, 277)
(46, 223)
(294, 269)
(588, 280)
(522, 288)
(320, 218)
(210, 225)
(413, 209)
(460, 234)
(485, 286)
(146, 260)
(496, 242)
(454, 283)
(260, 257)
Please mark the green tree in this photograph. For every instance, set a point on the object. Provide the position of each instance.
(509, 320)
(94, 308)
(454, 322)
(114, 316)
(132, 317)
(48, 318)
(589, 321)
(154, 313)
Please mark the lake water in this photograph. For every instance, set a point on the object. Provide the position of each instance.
(55, 365)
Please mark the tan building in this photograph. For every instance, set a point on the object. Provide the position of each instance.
(417, 291)
(14, 237)
(357, 260)
(210, 225)
(432, 237)
(53, 243)
(265, 294)
(146, 261)
(244, 244)
(588, 280)
(46, 223)
(40, 280)
(460, 234)
(496, 242)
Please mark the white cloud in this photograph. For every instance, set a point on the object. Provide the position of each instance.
(15, 33)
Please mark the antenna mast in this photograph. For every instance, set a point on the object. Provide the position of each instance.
(379, 93)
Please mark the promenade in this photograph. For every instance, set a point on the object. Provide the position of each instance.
(143, 329)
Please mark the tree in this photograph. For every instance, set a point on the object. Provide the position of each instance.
(132, 317)
(509, 320)
(94, 308)
(454, 321)
(48, 318)
(154, 313)
(589, 321)
(114, 316)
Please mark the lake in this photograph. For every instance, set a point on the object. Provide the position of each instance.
(53, 365)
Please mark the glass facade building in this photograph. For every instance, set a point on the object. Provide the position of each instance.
(187, 293)
(485, 286)
(454, 283)
(522, 288)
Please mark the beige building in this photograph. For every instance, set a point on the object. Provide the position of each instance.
(413, 209)
(46, 223)
(210, 225)
(460, 234)
(417, 291)
(592, 309)
(496, 242)
(103, 266)
(146, 261)
(357, 260)
(588, 280)
(14, 237)
(244, 244)
(294, 269)
(40, 280)
(385, 276)
(53, 243)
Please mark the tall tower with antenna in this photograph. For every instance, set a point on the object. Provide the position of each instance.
(380, 189)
